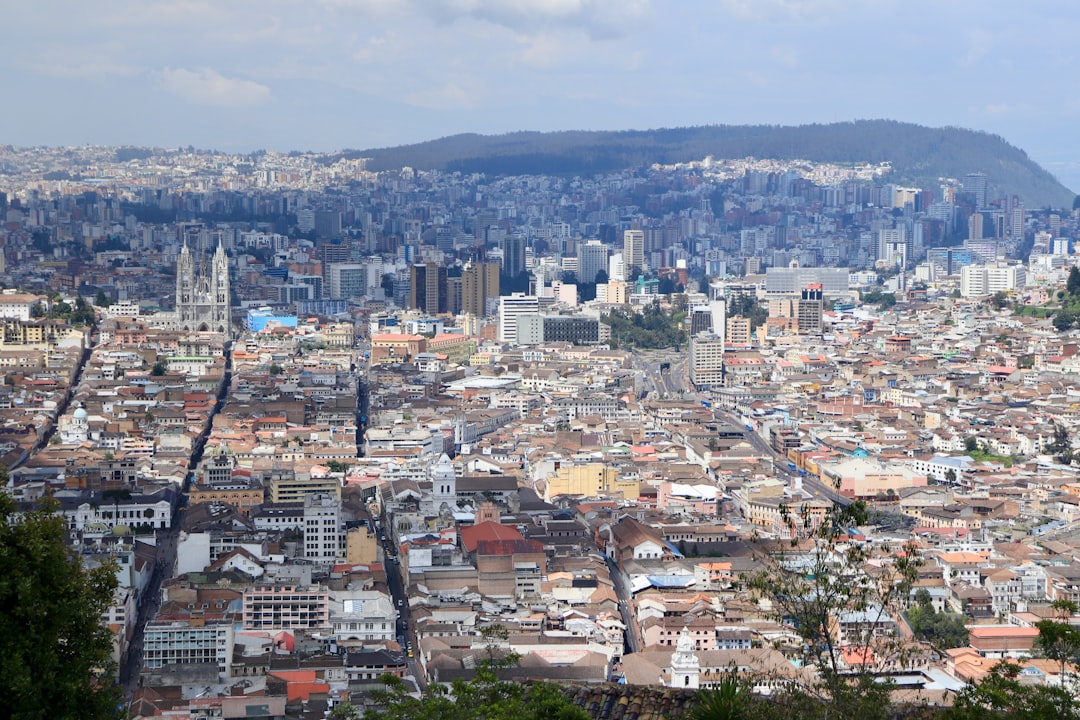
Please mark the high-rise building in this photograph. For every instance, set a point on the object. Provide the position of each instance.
(634, 248)
(428, 291)
(978, 280)
(479, 283)
(592, 257)
(513, 252)
(510, 308)
(575, 329)
(323, 539)
(810, 309)
(975, 184)
(975, 226)
(738, 330)
(617, 268)
(707, 360)
(327, 224)
(346, 280)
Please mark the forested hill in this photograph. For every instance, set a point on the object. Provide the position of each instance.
(919, 155)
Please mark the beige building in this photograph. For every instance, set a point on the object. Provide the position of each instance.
(361, 546)
(590, 480)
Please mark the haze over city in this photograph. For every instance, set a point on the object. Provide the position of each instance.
(368, 73)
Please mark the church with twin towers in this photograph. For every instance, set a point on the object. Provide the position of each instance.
(203, 298)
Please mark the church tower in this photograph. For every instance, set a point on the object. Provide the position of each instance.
(685, 667)
(203, 303)
(443, 484)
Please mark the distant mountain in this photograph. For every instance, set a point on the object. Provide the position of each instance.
(919, 155)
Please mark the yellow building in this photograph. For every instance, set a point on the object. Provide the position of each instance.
(590, 480)
(361, 546)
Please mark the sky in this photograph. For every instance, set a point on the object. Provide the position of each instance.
(239, 75)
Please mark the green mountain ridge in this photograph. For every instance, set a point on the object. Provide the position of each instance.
(919, 155)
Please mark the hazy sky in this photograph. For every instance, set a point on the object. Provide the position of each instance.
(329, 74)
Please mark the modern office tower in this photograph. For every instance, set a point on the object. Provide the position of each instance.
(738, 330)
(454, 298)
(305, 220)
(707, 360)
(975, 183)
(346, 280)
(792, 280)
(810, 309)
(575, 329)
(948, 261)
(979, 280)
(479, 282)
(985, 248)
(892, 246)
(327, 224)
(975, 226)
(592, 257)
(203, 303)
(428, 291)
(1016, 222)
(634, 249)
(617, 268)
(513, 251)
(510, 308)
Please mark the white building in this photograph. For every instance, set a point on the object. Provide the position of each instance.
(512, 306)
(178, 643)
(979, 280)
(17, 305)
(707, 360)
(362, 617)
(323, 539)
(634, 248)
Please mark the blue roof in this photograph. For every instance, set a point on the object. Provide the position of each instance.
(671, 581)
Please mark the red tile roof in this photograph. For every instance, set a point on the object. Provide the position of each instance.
(470, 536)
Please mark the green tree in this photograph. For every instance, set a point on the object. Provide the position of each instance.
(484, 697)
(1072, 285)
(942, 630)
(55, 654)
(950, 476)
(336, 466)
(102, 300)
(159, 369)
(971, 444)
(1000, 695)
(810, 587)
(275, 369)
(729, 699)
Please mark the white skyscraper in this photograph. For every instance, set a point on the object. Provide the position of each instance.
(512, 306)
(616, 268)
(634, 248)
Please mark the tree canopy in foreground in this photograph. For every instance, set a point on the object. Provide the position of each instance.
(55, 654)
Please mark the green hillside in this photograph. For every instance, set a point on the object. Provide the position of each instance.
(919, 155)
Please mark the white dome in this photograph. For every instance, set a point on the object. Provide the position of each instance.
(80, 413)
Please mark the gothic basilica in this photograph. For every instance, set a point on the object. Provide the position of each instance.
(203, 301)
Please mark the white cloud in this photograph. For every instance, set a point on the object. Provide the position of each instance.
(599, 19)
(979, 44)
(207, 86)
(780, 10)
(450, 96)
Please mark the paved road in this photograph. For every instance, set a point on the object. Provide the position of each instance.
(626, 608)
(405, 625)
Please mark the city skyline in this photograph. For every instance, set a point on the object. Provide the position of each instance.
(363, 74)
